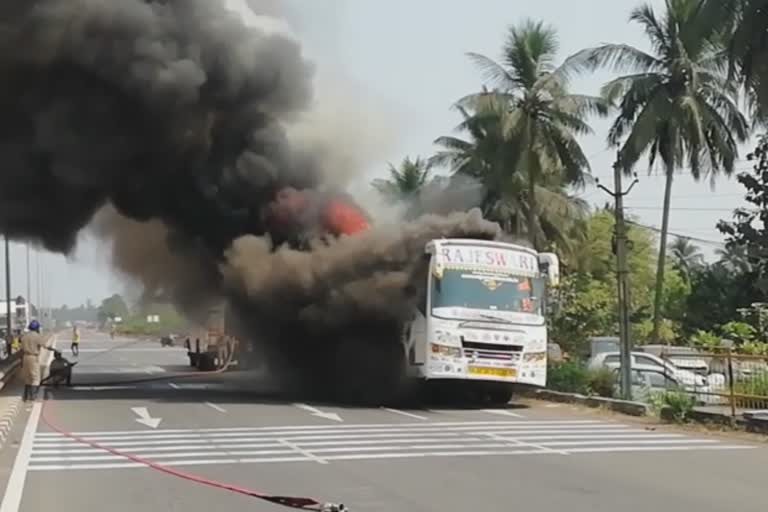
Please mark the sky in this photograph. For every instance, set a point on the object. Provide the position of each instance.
(387, 76)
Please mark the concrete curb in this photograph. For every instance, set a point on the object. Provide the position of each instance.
(7, 373)
(620, 406)
(9, 415)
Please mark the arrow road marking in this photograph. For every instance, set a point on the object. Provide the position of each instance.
(320, 414)
(144, 418)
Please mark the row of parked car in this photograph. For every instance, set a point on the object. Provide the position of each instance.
(652, 374)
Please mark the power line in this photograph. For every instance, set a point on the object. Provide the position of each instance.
(688, 196)
(656, 208)
(677, 235)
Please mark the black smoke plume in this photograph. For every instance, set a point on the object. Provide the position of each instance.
(166, 109)
(172, 119)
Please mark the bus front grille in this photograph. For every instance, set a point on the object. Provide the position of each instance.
(478, 350)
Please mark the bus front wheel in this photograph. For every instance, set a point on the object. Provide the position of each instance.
(500, 395)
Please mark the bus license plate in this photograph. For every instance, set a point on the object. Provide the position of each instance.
(492, 372)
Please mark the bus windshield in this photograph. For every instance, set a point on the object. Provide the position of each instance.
(488, 292)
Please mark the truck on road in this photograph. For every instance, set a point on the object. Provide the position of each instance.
(214, 345)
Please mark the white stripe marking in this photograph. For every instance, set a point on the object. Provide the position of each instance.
(429, 427)
(503, 412)
(569, 423)
(15, 487)
(658, 448)
(99, 388)
(373, 456)
(296, 449)
(174, 386)
(215, 407)
(205, 445)
(404, 413)
(234, 438)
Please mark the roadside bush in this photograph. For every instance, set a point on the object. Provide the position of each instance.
(601, 382)
(679, 403)
(568, 377)
(706, 340)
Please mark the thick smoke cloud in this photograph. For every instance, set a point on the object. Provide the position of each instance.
(166, 124)
(167, 109)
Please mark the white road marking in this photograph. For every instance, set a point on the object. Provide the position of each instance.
(199, 434)
(314, 411)
(215, 407)
(190, 386)
(517, 442)
(144, 418)
(378, 456)
(294, 448)
(527, 423)
(338, 442)
(148, 349)
(503, 412)
(405, 413)
(100, 388)
(15, 488)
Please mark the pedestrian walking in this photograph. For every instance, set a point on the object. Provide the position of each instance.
(75, 341)
(31, 343)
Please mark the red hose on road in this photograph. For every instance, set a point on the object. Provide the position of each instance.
(287, 501)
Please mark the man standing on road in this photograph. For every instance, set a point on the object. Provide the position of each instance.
(75, 341)
(31, 343)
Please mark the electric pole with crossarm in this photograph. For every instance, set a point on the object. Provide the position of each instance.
(622, 278)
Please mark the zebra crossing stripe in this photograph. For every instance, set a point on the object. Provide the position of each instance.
(331, 443)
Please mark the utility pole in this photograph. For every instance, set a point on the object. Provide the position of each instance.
(622, 275)
(39, 293)
(8, 322)
(29, 285)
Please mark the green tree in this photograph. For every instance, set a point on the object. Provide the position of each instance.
(586, 303)
(113, 307)
(734, 258)
(749, 228)
(717, 294)
(532, 113)
(686, 256)
(676, 105)
(745, 24)
(405, 181)
(487, 158)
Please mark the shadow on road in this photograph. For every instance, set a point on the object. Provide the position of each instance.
(237, 388)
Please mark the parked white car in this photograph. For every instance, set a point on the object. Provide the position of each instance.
(649, 380)
(687, 378)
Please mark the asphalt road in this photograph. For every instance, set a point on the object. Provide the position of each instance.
(232, 429)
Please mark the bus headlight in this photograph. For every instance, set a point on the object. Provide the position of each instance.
(447, 338)
(445, 350)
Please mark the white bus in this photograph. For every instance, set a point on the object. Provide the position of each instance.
(481, 325)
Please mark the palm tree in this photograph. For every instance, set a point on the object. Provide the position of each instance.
(486, 158)
(405, 182)
(676, 105)
(536, 118)
(745, 33)
(687, 256)
(735, 259)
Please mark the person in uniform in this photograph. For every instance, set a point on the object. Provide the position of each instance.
(75, 341)
(31, 343)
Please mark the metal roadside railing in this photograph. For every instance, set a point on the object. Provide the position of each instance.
(734, 382)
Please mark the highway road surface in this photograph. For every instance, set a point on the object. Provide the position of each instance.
(105, 443)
